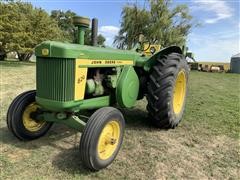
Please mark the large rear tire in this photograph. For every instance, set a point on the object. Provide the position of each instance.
(19, 117)
(102, 138)
(167, 90)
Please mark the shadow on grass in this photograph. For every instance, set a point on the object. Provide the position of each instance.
(57, 132)
(68, 159)
(136, 119)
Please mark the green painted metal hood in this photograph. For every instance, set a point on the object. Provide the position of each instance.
(67, 50)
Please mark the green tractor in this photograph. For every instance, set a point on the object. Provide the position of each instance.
(71, 78)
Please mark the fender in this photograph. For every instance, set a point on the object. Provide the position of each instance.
(152, 60)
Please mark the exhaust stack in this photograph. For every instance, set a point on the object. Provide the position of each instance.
(94, 32)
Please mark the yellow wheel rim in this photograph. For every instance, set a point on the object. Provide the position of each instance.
(108, 140)
(29, 123)
(179, 92)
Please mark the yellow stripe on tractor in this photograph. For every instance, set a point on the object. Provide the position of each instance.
(87, 62)
(80, 81)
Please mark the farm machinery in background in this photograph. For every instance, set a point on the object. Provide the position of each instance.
(193, 64)
(71, 78)
(204, 66)
(211, 68)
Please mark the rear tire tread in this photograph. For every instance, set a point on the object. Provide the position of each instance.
(160, 89)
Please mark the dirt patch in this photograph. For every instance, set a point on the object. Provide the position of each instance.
(18, 155)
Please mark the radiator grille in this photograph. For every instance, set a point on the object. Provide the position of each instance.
(55, 79)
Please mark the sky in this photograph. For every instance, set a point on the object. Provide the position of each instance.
(216, 39)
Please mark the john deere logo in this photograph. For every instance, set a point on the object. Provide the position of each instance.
(45, 52)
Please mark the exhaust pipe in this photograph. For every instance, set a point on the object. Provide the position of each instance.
(94, 34)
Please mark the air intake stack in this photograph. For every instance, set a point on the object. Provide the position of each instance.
(82, 23)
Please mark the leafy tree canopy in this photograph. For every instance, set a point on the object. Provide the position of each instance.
(159, 22)
(64, 20)
(22, 27)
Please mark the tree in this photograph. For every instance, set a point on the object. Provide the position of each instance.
(64, 20)
(134, 22)
(88, 41)
(101, 39)
(160, 24)
(22, 27)
(3, 53)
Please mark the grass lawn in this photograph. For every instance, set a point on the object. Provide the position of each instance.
(204, 145)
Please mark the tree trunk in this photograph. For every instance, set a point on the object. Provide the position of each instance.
(3, 54)
(24, 56)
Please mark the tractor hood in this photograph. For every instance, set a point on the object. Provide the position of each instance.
(67, 50)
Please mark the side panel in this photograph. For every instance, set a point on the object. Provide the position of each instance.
(80, 81)
(81, 68)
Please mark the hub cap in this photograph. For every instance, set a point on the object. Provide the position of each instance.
(108, 140)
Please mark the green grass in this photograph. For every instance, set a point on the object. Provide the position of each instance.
(16, 63)
(204, 145)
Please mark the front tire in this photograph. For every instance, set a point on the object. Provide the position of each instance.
(102, 138)
(167, 89)
(20, 121)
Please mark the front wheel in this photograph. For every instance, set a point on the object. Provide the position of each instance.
(102, 138)
(167, 89)
(20, 118)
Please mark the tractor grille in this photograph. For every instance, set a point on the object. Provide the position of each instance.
(55, 78)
